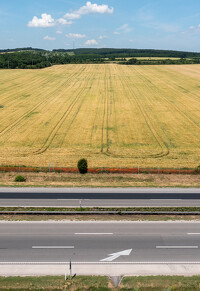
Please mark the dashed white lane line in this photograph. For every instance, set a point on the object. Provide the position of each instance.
(93, 233)
(52, 247)
(193, 233)
(177, 247)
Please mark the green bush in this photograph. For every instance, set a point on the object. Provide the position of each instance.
(20, 178)
(82, 166)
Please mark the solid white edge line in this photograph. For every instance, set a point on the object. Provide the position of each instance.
(93, 233)
(99, 263)
(52, 247)
(100, 222)
(193, 233)
(177, 247)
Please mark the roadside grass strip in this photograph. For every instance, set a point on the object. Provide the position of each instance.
(139, 283)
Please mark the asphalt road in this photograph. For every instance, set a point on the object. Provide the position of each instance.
(101, 197)
(99, 203)
(96, 241)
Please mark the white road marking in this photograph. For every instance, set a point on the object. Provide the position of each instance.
(114, 256)
(106, 263)
(94, 233)
(177, 247)
(52, 247)
(161, 200)
(193, 233)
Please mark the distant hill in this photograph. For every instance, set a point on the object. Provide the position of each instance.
(108, 52)
(25, 49)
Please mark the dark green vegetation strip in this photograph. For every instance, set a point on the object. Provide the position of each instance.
(81, 283)
(164, 283)
(29, 58)
(100, 211)
(54, 283)
(88, 209)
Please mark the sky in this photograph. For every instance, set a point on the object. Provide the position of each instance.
(142, 24)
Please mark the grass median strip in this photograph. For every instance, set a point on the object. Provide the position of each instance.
(100, 210)
(140, 283)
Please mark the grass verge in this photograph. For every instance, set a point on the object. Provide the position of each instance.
(55, 283)
(148, 283)
(15, 214)
(104, 217)
(164, 283)
(99, 180)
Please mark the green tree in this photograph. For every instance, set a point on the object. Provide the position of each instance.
(82, 166)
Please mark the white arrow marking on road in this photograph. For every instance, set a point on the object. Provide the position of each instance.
(114, 256)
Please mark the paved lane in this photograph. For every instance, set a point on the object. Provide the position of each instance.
(105, 197)
(100, 202)
(95, 241)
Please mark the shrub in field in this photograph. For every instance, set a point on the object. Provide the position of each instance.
(20, 178)
(82, 166)
(197, 170)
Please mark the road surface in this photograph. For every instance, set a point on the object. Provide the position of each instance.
(99, 197)
(59, 242)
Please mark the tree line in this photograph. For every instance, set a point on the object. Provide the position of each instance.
(28, 58)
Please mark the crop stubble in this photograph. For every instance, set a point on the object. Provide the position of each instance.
(113, 115)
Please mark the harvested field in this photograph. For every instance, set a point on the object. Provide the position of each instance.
(113, 115)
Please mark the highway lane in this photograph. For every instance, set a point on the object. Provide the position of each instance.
(97, 241)
(99, 202)
(99, 197)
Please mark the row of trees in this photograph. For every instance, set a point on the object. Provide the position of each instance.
(36, 59)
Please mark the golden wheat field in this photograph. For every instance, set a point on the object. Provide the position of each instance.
(113, 115)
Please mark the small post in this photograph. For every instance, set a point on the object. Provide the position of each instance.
(65, 276)
(70, 269)
(73, 185)
(50, 167)
(80, 203)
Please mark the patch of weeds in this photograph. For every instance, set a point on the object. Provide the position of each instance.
(20, 178)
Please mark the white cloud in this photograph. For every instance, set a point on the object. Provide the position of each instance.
(91, 42)
(59, 32)
(89, 8)
(102, 37)
(45, 21)
(75, 35)
(124, 28)
(192, 29)
(49, 38)
(64, 21)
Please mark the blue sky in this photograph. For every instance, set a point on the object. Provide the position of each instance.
(49, 24)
